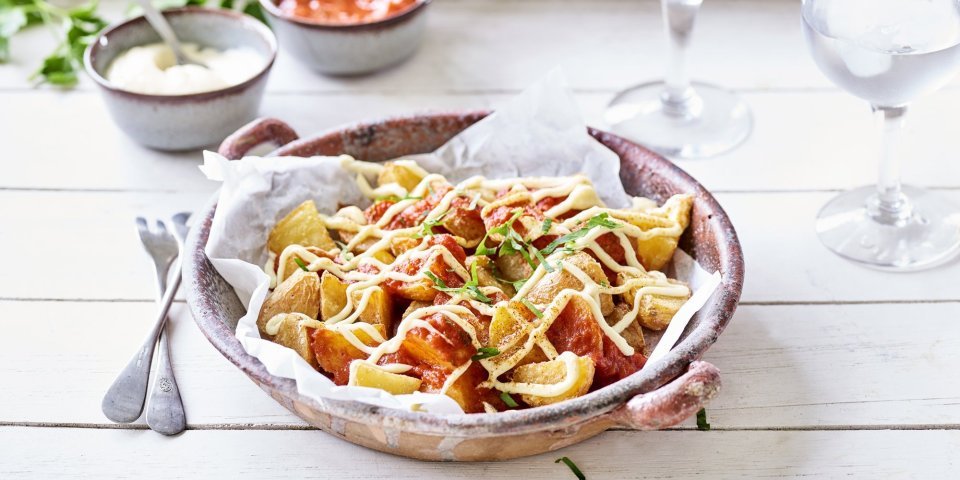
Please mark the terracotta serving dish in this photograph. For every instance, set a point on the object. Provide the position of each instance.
(659, 396)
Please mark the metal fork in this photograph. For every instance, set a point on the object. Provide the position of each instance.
(124, 400)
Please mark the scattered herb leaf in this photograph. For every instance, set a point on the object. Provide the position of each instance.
(508, 400)
(472, 287)
(303, 266)
(485, 352)
(702, 424)
(533, 308)
(601, 220)
(545, 229)
(573, 467)
(426, 228)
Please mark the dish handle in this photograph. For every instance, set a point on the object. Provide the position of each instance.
(255, 133)
(672, 403)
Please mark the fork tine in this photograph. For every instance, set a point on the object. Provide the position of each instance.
(161, 227)
(142, 224)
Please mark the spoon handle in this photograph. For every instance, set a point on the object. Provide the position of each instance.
(163, 28)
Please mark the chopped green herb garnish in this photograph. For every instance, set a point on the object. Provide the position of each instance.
(508, 400)
(472, 287)
(543, 261)
(702, 424)
(533, 308)
(485, 352)
(303, 266)
(573, 467)
(501, 230)
(426, 228)
(601, 220)
(545, 229)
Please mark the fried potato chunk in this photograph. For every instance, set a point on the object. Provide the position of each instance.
(291, 332)
(559, 280)
(437, 264)
(655, 311)
(401, 173)
(633, 334)
(302, 226)
(299, 293)
(377, 311)
(551, 373)
(485, 275)
(334, 351)
(368, 375)
(655, 252)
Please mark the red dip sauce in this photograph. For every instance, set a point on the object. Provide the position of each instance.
(345, 12)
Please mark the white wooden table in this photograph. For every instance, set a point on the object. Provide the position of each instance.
(829, 369)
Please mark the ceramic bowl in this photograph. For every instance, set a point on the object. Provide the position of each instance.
(660, 395)
(351, 49)
(183, 122)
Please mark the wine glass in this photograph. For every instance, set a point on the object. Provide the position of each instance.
(887, 52)
(676, 117)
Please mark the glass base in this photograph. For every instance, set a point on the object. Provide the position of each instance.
(924, 236)
(717, 121)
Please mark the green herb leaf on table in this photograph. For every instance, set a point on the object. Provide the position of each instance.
(508, 400)
(573, 467)
(702, 424)
(485, 352)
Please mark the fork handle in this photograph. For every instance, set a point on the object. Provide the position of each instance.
(165, 409)
(123, 402)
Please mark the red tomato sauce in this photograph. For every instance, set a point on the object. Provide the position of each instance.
(344, 12)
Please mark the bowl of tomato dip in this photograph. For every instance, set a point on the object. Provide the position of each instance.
(348, 37)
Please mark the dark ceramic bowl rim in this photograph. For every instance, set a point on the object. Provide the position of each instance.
(271, 7)
(253, 24)
(551, 417)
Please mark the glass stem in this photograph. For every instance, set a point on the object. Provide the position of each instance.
(890, 206)
(678, 17)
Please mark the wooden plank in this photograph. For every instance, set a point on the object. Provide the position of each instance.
(802, 141)
(94, 236)
(782, 367)
(605, 45)
(614, 455)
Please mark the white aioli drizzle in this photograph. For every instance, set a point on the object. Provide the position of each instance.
(580, 195)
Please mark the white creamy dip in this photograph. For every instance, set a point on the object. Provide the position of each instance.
(152, 69)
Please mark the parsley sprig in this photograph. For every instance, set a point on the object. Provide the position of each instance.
(485, 352)
(471, 288)
(573, 467)
(601, 220)
(508, 400)
(702, 424)
(426, 228)
(512, 243)
(303, 266)
(533, 308)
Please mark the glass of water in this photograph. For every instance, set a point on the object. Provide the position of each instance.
(677, 117)
(887, 52)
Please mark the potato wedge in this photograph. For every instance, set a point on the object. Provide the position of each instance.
(656, 311)
(553, 372)
(401, 173)
(633, 334)
(333, 297)
(291, 332)
(299, 293)
(548, 287)
(485, 276)
(302, 226)
(334, 351)
(655, 252)
(378, 309)
(368, 375)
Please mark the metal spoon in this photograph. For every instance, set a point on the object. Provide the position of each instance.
(163, 28)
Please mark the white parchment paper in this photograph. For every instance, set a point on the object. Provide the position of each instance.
(538, 133)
